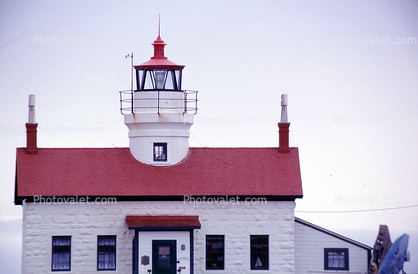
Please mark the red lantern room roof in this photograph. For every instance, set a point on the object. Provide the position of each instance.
(159, 61)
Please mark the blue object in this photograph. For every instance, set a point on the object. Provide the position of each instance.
(393, 261)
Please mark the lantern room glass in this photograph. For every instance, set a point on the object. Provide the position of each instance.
(158, 79)
(160, 76)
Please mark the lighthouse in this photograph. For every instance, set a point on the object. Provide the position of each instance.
(158, 112)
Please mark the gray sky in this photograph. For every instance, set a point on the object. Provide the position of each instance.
(349, 68)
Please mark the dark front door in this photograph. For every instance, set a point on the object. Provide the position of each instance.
(164, 257)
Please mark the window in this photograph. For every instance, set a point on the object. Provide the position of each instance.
(336, 258)
(106, 252)
(160, 152)
(160, 77)
(148, 81)
(215, 251)
(139, 79)
(61, 253)
(259, 252)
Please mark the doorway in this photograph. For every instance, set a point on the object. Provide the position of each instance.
(164, 257)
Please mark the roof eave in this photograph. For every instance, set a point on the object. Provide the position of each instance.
(162, 228)
(82, 198)
(17, 200)
(147, 66)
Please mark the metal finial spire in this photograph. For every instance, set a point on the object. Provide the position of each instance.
(158, 25)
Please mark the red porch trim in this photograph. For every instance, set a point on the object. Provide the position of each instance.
(152, 222)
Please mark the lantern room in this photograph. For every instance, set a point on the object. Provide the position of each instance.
(158, 73)
(158, 113)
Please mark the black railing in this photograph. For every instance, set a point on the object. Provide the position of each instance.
(160, 102)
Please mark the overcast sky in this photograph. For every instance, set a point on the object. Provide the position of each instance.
(349, 68)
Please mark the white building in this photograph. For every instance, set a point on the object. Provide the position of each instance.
(158, 206)
(318, 250)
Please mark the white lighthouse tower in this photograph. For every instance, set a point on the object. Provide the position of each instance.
(158, 113)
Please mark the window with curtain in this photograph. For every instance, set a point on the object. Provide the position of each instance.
(61, 253)
(106, 252)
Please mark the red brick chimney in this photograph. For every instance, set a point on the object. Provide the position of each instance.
(284, 127)
(31, 125)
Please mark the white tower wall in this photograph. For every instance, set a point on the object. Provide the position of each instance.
(159, 101)
(145, 129)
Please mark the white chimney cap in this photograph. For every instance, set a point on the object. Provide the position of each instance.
(284, 99)
(284, 118)
(31, 116)
(31, 100)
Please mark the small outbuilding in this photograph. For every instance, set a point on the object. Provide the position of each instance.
(318, 250)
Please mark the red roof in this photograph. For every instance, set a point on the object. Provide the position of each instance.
(159, 61)
(113, 172)
(159, 64)
(162, 221)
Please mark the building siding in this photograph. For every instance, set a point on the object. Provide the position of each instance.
(84, 222)
(309, 251)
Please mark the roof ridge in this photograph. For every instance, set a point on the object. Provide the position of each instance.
(332, 233)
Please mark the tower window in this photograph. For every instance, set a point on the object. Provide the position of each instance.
(160, 152)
